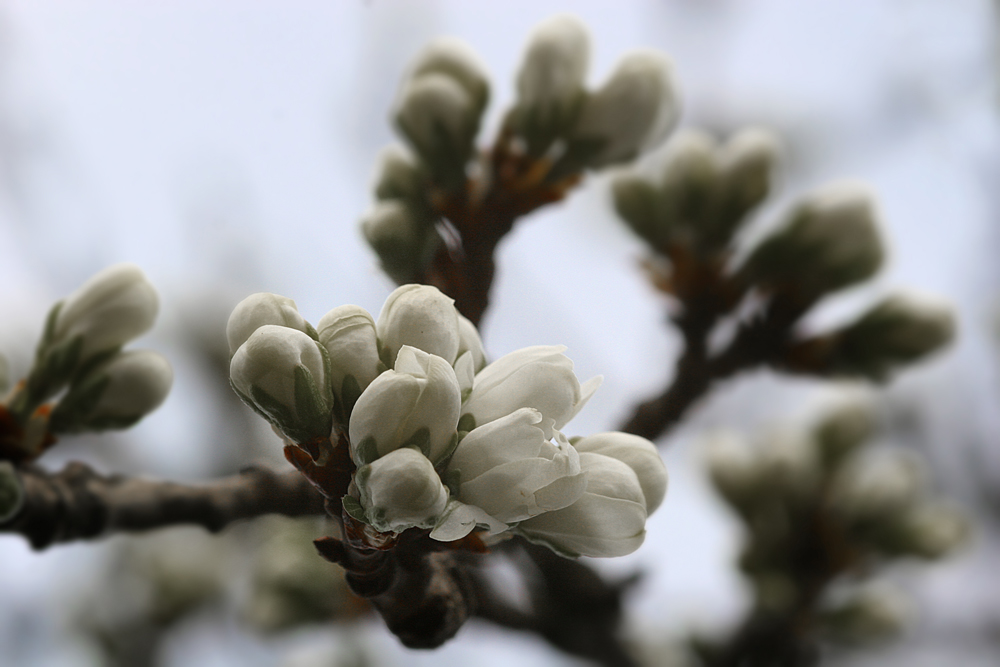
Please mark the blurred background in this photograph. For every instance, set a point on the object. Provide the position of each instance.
(228, 148)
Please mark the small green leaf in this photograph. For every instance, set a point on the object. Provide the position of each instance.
(354, 508)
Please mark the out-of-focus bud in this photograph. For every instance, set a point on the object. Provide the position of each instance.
(638, 454)
(11, 493)
(842, 431)
(689, 183)
(454, 58)
(831, 242)
(115, 394)
(259, 309)
(733, 471)
(403, 238)
(281, 373)
(348, 334)
(632, 112)
(550, 83)
(934, 530)
(508, 469)
(440, 119)
(415, 405)
(788, 461)
(422, 317)
(401, 490)
(399, 177)
(746, 168)
(640, 204)
(898, 331)
(775, 592)
(539, 377)
(877, 488)
(608, 520)
(872, 614)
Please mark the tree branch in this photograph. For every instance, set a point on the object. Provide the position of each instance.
(78, 503)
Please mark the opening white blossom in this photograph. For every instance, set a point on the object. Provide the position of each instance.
(257, 310)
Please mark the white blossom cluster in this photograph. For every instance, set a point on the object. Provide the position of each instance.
(441, 439)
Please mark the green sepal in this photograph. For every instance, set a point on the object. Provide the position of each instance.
(420, 440)
(365, 451)
(70, 414)
(277, 413)
(466, 422)
(450, 449)
(350, 391)
(313, 411)
(452, 479)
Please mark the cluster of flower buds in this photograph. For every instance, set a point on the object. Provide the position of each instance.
(820, 504)
(80, 354)
(442, 440)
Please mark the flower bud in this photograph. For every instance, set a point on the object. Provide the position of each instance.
(115, 394)
(831, 242)
(538, 377)
(608, 520)
(399, 177)
(873, 613)
(634, 111)
(403, 239)
(550, 83)
(454, 58)
(512, 472)
(898, 331)
(689, 184)
(440, 119)
(114, 306)
(638, 454)
(11, 492)
(734, 472)
(788, 461)
(348, 334)
(257, 310)
(416, 404)
(934, 530)
(401, 490)
(746, 164)
(877, 488)
(843, 431)
(281, 373)
(641, 205)
(422, 317)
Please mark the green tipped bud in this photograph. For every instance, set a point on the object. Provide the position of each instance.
(440, 118)
(400, 177)
(830, 242)
(550, 83)
(404, 238)
(454, 58)
(746, 164)
(841, 432)
(690, 180)
(11, 492)
(898, 331)
(115, 394)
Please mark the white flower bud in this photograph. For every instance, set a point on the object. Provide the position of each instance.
(733, 470)
(538, 377)
(114, 306)
(440, 119)
(877, 487)
(402, 238)
(935, 530)
(399, 177)
(638, 454)
(634, 111)
(512, 472)
(900, 330)
(422, 317)
(873, 613)
(115, 394)
(257, 310)
(608, 520)
(454, 58)
(550, 83)
(788, 461)
(747, 164)
(831, 242)
(348, 334)
(281, 372)
(417, 404)
(401, 490)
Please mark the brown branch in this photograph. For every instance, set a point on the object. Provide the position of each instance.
(77, 503)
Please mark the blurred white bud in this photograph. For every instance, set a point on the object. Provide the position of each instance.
(348, 334)
(281, 373)
(788, 461)
(843, 430)
(401, 490)
(508, 468)
(638, 454)
(873, 613)
(440, 119)
(632, 112)
(399, 177)
(416, 404)
(539, 377)
(114, 306)
(257, 310)
(733, 470)
(831, 242)
(422, 317)
(401, 236)
(934, 530)
(115, 394)
(877, 487)
(641, 205)
(454, 58)
(747, 163)
(607, 521)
